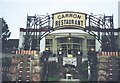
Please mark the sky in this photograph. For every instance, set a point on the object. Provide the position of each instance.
(15, 11)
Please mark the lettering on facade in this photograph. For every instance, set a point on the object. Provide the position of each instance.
(69, 19)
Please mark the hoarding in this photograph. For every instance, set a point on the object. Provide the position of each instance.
(69, 19)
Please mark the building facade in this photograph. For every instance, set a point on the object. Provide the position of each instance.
(118, 24)
(70, 41)
(119, 14)
(67, 33)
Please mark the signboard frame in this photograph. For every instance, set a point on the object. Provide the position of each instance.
(69, 19)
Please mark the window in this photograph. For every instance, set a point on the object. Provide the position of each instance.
(49, 43)
(90, 44)
(90, 41)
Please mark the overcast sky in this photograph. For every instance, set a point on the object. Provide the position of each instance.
(15, 12)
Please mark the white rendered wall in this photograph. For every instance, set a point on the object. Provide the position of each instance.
(21, 39)
(42, 45)
(119, 24)
(119, 14)
(97, 45)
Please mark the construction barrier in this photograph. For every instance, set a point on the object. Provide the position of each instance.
(108, 66)
(26, 52)
(109, 53)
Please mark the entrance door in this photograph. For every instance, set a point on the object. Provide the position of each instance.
(69, 45)
(70, 48)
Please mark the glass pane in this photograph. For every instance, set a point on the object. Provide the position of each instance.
(90, 41)
(48, 41)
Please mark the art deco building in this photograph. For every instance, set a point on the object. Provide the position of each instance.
(70, 41)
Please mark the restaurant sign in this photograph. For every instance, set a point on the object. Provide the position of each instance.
(69, 19)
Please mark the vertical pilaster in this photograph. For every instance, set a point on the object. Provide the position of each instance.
(54, 46)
